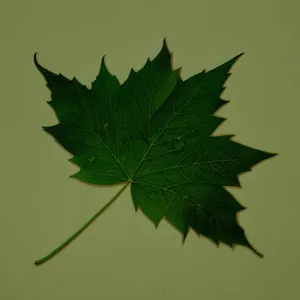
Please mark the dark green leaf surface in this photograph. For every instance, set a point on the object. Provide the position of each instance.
(154, 131)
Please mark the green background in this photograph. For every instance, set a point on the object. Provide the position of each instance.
(122, 255)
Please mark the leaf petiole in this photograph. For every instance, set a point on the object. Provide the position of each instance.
(76, 234)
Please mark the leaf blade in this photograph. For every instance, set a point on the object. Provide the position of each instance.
(155, 132)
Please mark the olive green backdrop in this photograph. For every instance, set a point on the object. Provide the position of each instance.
(122, 256)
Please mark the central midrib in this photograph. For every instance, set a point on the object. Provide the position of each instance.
(167, 124)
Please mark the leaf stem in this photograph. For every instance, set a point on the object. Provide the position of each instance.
(76, 234)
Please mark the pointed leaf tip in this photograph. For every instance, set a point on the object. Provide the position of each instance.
(35, 61)
(240, 55)
(131, 72)
(229, 64)
(165, 48)
(236, 58)
(48, 75)
(103, 60)
(164, 54)
(40, 68)
(273, 154)
(165, 42)
(103, 67)
(260, 255)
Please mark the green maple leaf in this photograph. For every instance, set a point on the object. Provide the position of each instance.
(154, 132)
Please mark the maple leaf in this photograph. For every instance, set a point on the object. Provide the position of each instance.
(154, 132)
